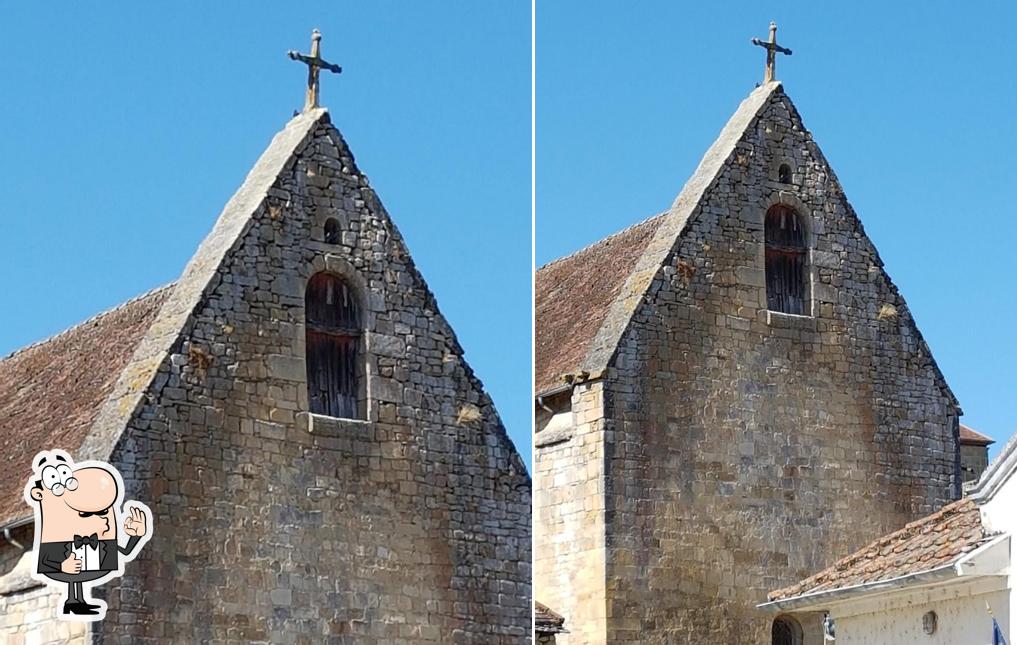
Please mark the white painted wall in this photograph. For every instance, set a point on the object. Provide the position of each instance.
(999, 514)
(963, 618)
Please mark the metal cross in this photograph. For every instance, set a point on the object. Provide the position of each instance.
(771, 52)
(314, 63)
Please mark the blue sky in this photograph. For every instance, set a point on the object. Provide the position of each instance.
(912, 103)
(129, 125)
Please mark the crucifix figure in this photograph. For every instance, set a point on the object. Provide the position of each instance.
(314, 63)
(771, 52)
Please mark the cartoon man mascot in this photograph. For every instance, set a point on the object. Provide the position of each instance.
(78, 509)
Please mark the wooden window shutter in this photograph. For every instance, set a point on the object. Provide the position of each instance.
(333, 347)
(786, 254)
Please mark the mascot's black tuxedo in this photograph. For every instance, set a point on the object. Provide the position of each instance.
(52, 555)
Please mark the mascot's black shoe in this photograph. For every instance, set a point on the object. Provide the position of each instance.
(80, 608)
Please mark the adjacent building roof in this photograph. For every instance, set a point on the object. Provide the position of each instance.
(929, 543)
(52, 391)
(970, 437)
(546, 621)
(573, 296)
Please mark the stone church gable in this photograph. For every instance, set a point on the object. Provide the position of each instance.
(260, 194)
(614, 274)
(786, 440)
(709, 448)
(410, 523)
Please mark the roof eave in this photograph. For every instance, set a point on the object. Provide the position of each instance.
(553, 391)
(951, 570)
(17, 523)
(812, 600)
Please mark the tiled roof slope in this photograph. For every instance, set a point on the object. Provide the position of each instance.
(972, 437)
(574, 294)
(931, 542)
(51, 392)
(546, 621)
(584, 302)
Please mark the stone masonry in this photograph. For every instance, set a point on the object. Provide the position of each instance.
(569, 534)
(732, 450)
(974, 454)
(974, 461)
(27, 607)
(275, 525)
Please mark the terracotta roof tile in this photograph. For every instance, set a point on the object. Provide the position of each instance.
(971, 437)
(51, 392)
(931, 542)
(574, 294)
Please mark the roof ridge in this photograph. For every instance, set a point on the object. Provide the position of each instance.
(91, 319)
(603, 240)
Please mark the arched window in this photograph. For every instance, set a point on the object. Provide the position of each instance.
(784, 174)
(332, 231)
(786, 631)
(333, 347)
(785, 261)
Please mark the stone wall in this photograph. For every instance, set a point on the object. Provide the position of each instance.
(27, 607)
(747, 449)
(272, 525)
(569, 568)
(974, 461)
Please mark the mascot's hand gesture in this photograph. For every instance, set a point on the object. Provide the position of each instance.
(134, 523)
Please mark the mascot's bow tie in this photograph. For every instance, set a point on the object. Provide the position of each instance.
(91, 540)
